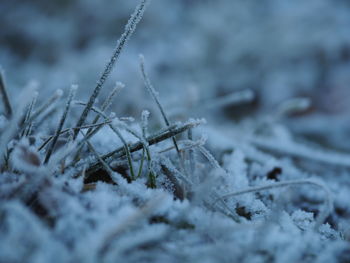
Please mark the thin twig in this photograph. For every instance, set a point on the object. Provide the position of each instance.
(126, 147)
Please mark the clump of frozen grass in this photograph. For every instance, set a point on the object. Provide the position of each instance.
(91, 198)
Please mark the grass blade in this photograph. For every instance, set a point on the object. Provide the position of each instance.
(129, 29)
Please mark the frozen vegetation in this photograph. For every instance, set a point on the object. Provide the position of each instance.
(226, 141)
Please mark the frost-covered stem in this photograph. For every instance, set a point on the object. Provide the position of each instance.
(209, 157)
(26, 121)
(57, 95)
(49, 113)
(321, 217)
(61, 123)
(116, 131)
(129, 29)
(144, 122)
(154, 95)
(98, 157)
(98, 125)
(144, 142)
(141, 164)
(100, 112)
(95, 125)
(144, 128)
(5, 98)
(29, 129)
(191, 152)
(93, 132)
(225, 208)
(293, 106)
(30, 108)
(187, 145)
(167, 162)
(106, 104)
(127, 149)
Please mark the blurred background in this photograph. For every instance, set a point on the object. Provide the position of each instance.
(197, 52)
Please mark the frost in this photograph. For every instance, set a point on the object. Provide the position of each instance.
(242, 155)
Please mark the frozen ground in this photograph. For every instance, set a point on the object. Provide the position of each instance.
(253, 166)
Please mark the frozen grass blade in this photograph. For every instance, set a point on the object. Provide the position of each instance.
(129, 29)
(235, 98)
(151, 89)
(27, 122)
(154, 95)
(293, 106)
(51, 111)
(107, 103)
(56, 96)
(98, 157)
(209, 157)
(127, 149)
(96, 125)
(61, 123)
(144, 128)
(5, 98)
(191, 153)
(177, 174)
